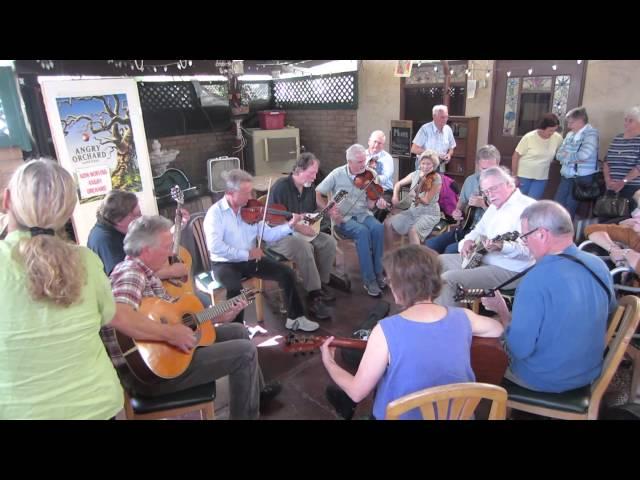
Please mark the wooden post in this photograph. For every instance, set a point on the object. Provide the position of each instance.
(447, 81)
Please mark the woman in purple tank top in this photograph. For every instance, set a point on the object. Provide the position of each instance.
(423, 346)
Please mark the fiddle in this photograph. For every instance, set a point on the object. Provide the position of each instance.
(366, 181)
(254, 211)
(424, 186)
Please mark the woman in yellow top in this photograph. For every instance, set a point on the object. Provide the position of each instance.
(533, 156)
(55, 297)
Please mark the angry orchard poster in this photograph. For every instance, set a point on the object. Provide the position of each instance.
(99, 137)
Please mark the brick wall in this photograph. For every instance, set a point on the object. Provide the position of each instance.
(326, 133)
(195, 150)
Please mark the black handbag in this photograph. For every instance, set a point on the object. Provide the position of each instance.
(611, 206)
(588, 192)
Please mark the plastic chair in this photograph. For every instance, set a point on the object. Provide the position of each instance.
(582, 403)
(196, 399)
(457, 401)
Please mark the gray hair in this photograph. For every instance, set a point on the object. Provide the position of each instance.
(143, 232)
(304, 161)
(378, 133)
(353, 150)
(549, 215)
(233, 179)
(439, 108)
(633, 112)
(431, 155)
(578, 113)
(116, 205)
(488, 152)
(500, 172)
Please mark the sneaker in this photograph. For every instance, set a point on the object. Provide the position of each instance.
(318, 309)
(326, 294)
(302, 323)
(382, 283)
(373, 289)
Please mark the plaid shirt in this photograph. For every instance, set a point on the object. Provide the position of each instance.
(132, 280)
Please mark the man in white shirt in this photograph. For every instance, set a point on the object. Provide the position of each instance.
(504, 258)
(436, 135)
(382, 162)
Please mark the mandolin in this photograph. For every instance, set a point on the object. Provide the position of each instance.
(154, 361)
(177, 287)
(488, 359)
(314, 219)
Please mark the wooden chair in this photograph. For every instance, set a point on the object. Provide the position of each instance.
(197, 399)
(203, 277)
(457, 401)
(581, 403)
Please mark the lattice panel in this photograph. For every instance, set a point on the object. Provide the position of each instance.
(155, 96)
(220, 90)
(4, 128)
(330, 91)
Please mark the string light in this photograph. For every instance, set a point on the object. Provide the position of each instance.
(530, 71)
(579, 62)
(509, 73)
(554, 67)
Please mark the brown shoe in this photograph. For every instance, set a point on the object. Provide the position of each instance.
(318, 309)
(326, 295)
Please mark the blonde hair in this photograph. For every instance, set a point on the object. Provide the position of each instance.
(43, 195)
(430, 155)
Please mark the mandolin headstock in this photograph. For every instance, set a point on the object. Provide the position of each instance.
(468, 295)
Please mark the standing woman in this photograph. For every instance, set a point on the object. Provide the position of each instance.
(425, 345)
(55, 297)
(578, 156)
(622, 164)
(531, 160)
(424, 213)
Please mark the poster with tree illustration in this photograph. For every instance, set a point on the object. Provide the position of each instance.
(98, 133)
(99, 137)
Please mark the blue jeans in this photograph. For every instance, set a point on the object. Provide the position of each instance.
(564, 195)
(369, 237)
(533, 188)
(444, 243)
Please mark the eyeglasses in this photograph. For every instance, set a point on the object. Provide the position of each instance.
(492, 189)
(524, 236)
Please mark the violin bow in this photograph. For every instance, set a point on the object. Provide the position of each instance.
(264, 216)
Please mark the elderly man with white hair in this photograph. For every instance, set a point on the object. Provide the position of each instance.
(382, 162)
(436, 135)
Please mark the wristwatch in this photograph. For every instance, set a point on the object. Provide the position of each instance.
(624, 180)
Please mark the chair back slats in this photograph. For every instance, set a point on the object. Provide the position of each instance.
(617, 347)
(614, 322)
(197, 227)
(451, 402)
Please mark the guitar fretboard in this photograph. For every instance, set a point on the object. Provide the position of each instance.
(212, 312)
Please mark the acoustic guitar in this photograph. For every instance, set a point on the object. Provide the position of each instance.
(177, 287)
(474, 258)
(488, 359)
(313, 220)
(154, 361)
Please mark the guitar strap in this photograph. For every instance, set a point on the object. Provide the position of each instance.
(598, 279)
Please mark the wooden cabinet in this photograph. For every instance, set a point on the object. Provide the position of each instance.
(463, 161)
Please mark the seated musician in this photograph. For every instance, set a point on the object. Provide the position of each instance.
(55, 297)
(503, 259)
(470, 198)
(626, 232)
(353, 217)
(423, 346)
(116, 212)
(147, 244)
(234, 252)
(555, 335)
(424, 212)
(314, 259)
(382, 162)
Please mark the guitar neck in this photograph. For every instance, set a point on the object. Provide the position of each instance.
(212, 312)
(348, 343)
(177, 230)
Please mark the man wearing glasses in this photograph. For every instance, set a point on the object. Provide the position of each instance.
(504, 259)
(106, 238)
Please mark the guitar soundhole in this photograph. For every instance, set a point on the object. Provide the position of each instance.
(190, 321)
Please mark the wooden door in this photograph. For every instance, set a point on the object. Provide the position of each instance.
(523, 91)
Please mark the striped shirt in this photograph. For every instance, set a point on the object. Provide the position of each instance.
(622, 156)
(131, 280)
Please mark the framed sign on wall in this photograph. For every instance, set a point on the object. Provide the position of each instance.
(99, 137)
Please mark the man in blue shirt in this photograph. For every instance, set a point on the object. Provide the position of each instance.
(235, 254)
(556, 334)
